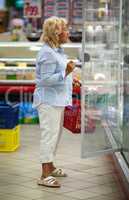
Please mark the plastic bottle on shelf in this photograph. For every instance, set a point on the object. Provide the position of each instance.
(20, 74)
(103, 10)
(90, 34)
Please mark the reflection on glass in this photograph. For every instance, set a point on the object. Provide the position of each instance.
(125, 40)
(101, 85)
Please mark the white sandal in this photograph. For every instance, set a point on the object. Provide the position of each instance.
(49, 181)
(58, 173)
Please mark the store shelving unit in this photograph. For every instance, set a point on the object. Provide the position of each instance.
(68, 9)
(17, 68)
(29, 44)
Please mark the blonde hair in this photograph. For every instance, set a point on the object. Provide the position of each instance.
(52, 27)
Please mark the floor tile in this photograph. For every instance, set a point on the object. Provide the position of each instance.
(81, 194)
(88, 179)
(11, 197)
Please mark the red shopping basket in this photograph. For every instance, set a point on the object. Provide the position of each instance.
(72, 117)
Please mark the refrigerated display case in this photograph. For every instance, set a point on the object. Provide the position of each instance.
(102, 91)
(17, 65)
(125, 41)
(105, 83)
(17, 60)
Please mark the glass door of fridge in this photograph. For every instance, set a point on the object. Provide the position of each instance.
(125, 56)
(102, 102)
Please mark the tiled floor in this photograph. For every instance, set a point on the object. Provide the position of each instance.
(89, 179)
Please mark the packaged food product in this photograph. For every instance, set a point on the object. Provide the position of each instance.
(30, 74)
(11, 75)
(2, 74)
(20, 75)
(22, 64)
(2, 64)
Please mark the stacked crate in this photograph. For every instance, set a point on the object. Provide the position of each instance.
(28, 114)
(9, 127)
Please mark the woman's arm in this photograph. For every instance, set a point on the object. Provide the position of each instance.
(48, 73)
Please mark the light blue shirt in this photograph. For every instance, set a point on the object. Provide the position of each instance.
(52, 87)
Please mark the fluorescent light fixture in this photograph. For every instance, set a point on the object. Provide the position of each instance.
(34, 48)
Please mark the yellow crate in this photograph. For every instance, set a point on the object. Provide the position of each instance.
(9, 139)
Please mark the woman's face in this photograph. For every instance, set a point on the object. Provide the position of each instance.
(64, 35)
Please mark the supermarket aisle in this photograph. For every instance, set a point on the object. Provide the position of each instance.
(91, 179)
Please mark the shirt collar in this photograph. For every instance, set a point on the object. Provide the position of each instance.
(59, 49)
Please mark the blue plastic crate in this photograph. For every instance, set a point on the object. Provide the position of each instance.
(9, 115)
(27, 114)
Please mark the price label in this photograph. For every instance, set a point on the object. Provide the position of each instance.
(32, 8)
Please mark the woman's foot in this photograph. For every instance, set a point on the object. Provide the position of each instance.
(58, 173)
(52, 167)
(49, 181)
(47, 169)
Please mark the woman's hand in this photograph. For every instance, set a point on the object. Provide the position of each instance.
(70, 67)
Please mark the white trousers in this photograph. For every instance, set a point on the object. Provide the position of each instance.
(51, 123)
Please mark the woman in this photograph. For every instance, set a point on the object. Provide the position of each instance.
(53, 92)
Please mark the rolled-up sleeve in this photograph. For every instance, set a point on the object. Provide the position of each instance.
(48, 73)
